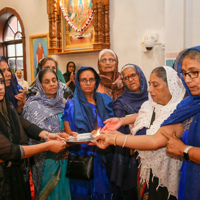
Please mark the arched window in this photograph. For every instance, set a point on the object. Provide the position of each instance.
(12, 39)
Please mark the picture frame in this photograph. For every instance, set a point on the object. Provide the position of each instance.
(78, 26)
(72, 41)
(38, 50)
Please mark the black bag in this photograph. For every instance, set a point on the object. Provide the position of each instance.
(80, 167)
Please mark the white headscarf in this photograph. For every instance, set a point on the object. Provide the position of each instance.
(163, 167)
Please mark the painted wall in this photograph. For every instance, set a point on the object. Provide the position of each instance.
(130, 20)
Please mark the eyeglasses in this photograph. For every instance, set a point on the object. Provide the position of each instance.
(110, 60)
(132, 76)
(192, 75)
(84, 80)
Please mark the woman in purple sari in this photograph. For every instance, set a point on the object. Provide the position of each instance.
(125, 166)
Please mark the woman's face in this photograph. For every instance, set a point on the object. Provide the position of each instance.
(6, 72)
(87, 81)
(50, 64)
(191, 65)
(50, 84)
(159, 90)
(19, 74)
(107, 62)
(71, 67)
(131, 79)
(2, 88)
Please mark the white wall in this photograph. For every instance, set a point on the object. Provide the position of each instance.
(130, 21)
(181, 24)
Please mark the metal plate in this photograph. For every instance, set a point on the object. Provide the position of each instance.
(81, 138)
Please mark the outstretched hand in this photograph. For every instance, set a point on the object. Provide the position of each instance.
(112, 124)
(174, 145)
(58, 136)
(103, 141)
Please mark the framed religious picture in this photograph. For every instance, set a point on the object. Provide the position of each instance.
(38, 50)
(78, 25)
(78, 28)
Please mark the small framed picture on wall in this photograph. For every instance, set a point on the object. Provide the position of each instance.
(38, 50)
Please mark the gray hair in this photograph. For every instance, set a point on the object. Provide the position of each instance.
(125, 67)
(161, 73)
(105, 51)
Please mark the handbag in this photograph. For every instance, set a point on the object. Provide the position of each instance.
(80, 167)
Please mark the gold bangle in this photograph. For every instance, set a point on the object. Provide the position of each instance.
(115, 139)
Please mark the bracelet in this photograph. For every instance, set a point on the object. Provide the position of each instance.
(122, 120)
(115, 139)
(125, 141)
(47, 136)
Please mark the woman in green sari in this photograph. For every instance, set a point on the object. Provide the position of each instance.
(45, 110)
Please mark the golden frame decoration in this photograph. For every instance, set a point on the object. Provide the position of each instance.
(57, 36)
(37, 53)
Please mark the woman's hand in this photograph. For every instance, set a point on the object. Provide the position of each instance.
(112, 124)
(21, 96)
(103, 140)
(72, 77)
(118, 83)
(58, 136)
(56, 146)
(174, 145)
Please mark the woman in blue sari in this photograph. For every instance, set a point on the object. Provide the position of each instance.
(84, 113)
(125, 166)
(188, 113)
(45, 110)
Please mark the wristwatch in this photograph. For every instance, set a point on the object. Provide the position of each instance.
(185, 153)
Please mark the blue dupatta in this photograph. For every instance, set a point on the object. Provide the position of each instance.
(188, 107)
(84, 117)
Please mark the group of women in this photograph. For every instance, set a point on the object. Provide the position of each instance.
(143, 129)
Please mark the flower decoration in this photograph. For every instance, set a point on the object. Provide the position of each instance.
(80, 31)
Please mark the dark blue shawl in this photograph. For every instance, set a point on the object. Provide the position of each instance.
(84, 117)
(132, 101)
(14, 87)
(188, 107)
(124, 167)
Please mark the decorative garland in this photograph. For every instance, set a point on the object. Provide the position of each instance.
(70, 23)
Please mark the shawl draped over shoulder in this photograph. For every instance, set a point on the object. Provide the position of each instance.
(125, 166)
(163, 167)
(188, 107)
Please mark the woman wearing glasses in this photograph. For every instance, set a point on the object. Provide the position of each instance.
(158, 170)
(111, 82)
(125, 166)
(84, 113)
(187, 113)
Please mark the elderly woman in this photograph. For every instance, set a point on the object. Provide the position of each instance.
(45, 110)
(48, 62)
(188, 114)
(159, 170)
(124, 167)
(111, 82)
(84, 113)
(70, 75)
(14, 148)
